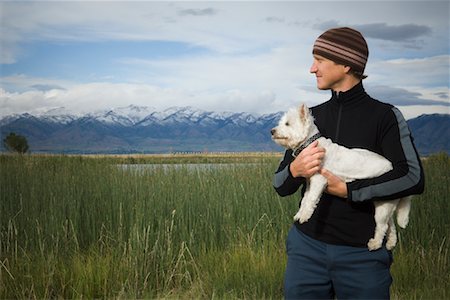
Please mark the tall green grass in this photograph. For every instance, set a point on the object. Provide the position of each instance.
(421, 263)
(76, 227)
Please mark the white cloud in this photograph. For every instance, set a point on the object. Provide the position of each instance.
(89, 97)
(409, 97)
(425, 71)
(226, 27)
(410, 112)
(263, 83)
(258, 59)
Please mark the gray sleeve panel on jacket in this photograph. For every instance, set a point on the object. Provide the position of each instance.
(280, 177)
(400, 184)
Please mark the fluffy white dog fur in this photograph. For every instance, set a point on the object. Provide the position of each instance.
(295, 128)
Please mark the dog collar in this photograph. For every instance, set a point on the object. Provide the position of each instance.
(305, 144)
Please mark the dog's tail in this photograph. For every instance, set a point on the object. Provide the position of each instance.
(403, 209)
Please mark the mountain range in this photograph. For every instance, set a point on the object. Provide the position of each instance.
(141, 129)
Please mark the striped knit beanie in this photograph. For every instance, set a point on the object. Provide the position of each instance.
(344, 46)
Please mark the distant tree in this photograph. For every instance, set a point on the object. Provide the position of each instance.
(16, 143)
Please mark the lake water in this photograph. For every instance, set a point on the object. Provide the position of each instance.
(189, 167)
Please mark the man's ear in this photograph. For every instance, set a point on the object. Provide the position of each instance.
(347, 69)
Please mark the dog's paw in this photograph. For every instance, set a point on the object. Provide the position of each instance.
(390, 244)
(374, 244)
(302, 216)
(297, 216)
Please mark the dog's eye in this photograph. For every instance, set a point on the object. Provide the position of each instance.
(287, 124)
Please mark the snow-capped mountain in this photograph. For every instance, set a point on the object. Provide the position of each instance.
(144, 129)
(54, 115)
(60, 116)
(126, 116)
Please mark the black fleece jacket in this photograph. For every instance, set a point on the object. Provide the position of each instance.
(355, 120)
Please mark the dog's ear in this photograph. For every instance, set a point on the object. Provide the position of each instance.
(303, 111)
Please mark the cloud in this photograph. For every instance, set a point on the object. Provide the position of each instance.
(396, 33)
(46, 87)
(413, 111)
(442, 95)
(401, 96)
(217, 25)
(408, 34)
(327, 25)
(252, 57)
(197, 12)
(22, 83)
(85, 98)
(274, 20)
(256, 83)
(431, 71)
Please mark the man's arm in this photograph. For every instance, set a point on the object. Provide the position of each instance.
(335, 185)
(407, 176)
(291, 172)
(308, 162)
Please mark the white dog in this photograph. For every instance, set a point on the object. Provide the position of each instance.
(296, 130)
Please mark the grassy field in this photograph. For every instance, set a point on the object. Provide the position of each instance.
(80, 227)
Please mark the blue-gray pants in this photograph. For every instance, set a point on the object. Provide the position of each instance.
(316, 270)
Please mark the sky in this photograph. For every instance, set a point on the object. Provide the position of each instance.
(234, 56)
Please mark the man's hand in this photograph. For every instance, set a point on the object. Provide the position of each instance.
(308, 162)
(336, 186)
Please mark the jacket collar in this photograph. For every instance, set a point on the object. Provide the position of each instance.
(354, 94)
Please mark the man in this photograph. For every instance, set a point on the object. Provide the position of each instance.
(328, 255)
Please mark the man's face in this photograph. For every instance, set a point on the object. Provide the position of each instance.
(329, 74)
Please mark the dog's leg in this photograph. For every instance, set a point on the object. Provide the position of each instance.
(297, 215)
(383, 213)
(403, 209)
(391, 234)
(317, 184)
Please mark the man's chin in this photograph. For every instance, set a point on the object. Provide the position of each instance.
(323, 88)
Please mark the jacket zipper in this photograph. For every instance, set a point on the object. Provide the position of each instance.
(338, 126)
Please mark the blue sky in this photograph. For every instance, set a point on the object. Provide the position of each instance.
(251, 56)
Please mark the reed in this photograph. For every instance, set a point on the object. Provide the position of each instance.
(75, 227)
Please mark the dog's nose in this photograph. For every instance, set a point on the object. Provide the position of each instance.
(272, 131)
